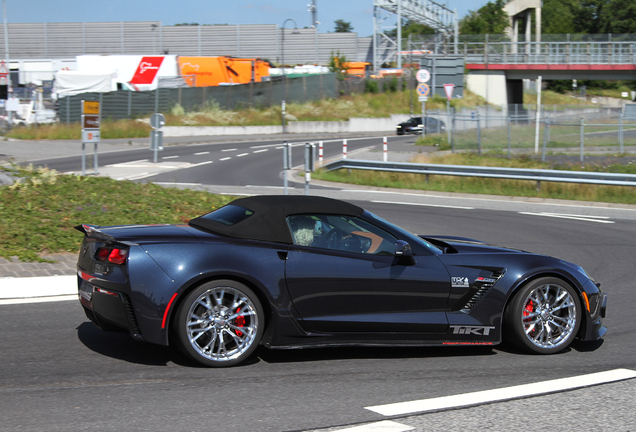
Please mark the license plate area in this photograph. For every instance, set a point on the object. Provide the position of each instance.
(86, 290)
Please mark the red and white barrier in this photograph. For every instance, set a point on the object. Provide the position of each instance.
(344, 148)
(320, 152)
(385, 149)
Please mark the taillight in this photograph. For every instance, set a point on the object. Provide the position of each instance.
(115, 256)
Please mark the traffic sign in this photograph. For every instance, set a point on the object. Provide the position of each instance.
(91, 107)
(157, 121)
(423, 75)
(448, 88)
(89, 136)
(91, 121)
(422, 98)
(423, 89)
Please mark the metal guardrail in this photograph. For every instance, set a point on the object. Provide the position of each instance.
(538, 175)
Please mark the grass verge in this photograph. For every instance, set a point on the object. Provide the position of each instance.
(37, 214)
(474, 185)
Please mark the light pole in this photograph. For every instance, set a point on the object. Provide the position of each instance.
(6, 50)
(295, 31)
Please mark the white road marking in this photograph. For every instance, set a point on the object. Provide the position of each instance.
(502, 394)
(242, 154)
(424, 205)
(199, 164)
(169, 157)
(201, 153)
(178, 184)
(598, 219)
(39, 299)
(383, 426)
(260, 151)
(225, 158)
(228, 150)
(136, 176)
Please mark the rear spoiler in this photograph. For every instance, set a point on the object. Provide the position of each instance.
(94, 233)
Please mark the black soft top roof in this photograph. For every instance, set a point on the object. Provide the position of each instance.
(268, 221)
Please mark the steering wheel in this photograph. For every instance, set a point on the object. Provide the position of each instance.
(334, 239)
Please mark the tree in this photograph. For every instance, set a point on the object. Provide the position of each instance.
(489, 19)
(338, 64)
(619, 16)
(587, 18)
(343, 26)
(557, 16)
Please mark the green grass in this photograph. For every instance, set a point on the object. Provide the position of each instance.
(474, 185)
(38, 214)
(60, 131)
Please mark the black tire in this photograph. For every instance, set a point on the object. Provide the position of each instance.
(211, 327)
(544, 316)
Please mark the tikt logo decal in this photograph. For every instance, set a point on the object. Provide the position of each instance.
(147, 70)
(476, 330)
(459, 282)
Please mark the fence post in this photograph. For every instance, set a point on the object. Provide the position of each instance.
(157, 99)
(129, 103)
(545, 137)
(344, 148)
(453, 133)
(620, 132)
(582, 136)
(68, 109)
(509, 138)
(320, 152)
(478, 134)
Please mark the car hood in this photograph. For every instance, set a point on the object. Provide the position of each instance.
(461, 245)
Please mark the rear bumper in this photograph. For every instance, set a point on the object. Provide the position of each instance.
(108, 309)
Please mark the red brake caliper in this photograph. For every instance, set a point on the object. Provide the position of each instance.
(239, 322)
(528, 310)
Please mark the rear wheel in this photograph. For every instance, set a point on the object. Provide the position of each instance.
(544, 316)
(220, 323)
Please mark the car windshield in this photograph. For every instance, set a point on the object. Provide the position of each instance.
(412, 237)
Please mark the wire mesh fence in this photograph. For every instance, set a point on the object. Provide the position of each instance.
(557, 129)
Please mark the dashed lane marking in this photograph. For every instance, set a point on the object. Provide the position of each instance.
(260, 151)
(201, 153)
(424, 205)
(242, 154)
(502, 394)
(169, 157)
(586, 218)
(229, 150)
(225, 158)
(383, 426)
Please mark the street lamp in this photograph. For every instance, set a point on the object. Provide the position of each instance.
(295, 31)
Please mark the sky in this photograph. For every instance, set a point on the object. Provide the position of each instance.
(170, 12)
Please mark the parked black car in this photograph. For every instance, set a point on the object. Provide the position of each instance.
(414, 126)
(306, 271)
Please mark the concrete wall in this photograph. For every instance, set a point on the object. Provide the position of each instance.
(491, 85)
(380, 124)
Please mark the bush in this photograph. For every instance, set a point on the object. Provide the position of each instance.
(371, 86)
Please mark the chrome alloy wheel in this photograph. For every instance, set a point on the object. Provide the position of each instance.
(222, 324)
(549, 315)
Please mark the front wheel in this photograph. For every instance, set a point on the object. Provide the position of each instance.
(544, 316)
(220, 323)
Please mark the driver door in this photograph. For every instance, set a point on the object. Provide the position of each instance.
(343, 276)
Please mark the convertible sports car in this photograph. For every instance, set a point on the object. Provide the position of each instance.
(304, 271)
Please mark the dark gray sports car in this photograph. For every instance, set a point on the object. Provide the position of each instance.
(301, 271)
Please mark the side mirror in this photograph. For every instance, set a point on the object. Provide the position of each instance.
(404, 252)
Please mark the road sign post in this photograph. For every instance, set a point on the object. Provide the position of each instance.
(448, 88)
(157, 121)
(91, 121)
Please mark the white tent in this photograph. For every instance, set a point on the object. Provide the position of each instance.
(70, 83)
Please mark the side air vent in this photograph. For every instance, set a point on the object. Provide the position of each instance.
(483, 285)
(132, 318)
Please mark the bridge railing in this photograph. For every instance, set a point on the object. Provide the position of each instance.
(554, 49)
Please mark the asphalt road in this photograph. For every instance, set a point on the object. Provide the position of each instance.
(59, 372)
